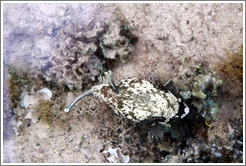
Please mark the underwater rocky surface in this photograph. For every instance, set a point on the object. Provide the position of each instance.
(54, 52)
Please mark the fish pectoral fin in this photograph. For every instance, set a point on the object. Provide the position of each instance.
(157, 132)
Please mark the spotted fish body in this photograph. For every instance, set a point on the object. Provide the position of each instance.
(138, 100)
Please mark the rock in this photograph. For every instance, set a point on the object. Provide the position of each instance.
(116, 156)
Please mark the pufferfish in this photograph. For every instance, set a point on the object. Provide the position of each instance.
(137, 100)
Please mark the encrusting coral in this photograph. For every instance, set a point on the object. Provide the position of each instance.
(203, 92)
(79, 50)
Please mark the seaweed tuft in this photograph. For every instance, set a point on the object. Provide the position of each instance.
(16, 84)
(232, 67)
(45, 112)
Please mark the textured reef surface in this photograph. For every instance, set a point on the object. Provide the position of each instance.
(167, 83)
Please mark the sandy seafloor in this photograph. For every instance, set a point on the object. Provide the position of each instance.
(171, 37)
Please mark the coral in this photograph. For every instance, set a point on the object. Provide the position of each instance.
(203, 92)
(117, 42)
(202, 152)
(74, 62)
(78, 50)
(216, 151)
